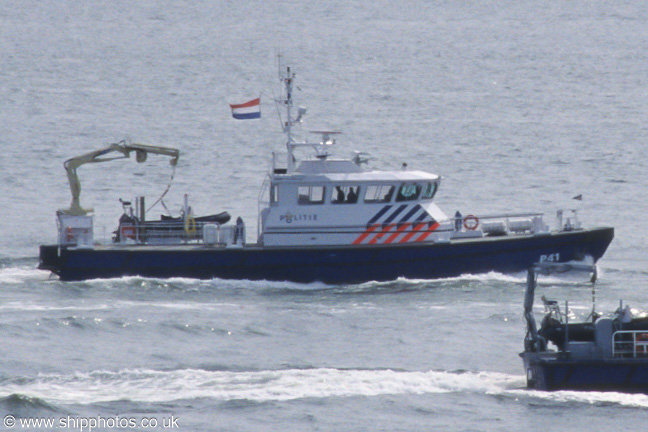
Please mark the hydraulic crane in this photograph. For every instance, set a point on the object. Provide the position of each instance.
(141, 153)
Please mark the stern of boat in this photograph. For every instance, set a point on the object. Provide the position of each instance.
(48, 258)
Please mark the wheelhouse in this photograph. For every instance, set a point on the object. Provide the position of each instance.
(362, 188)
(333, 201)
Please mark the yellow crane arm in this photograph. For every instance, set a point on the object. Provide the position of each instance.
(141, 153)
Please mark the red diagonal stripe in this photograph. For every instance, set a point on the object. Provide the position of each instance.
(365, 234)
(412, 233)
(381, 233)
(427, 232)
(397, 233)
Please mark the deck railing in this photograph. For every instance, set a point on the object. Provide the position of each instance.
(630, 343)
(501, 223)
(177, 233)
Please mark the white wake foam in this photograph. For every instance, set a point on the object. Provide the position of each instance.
(196, 284)
(280, 385)
(18, 275)
(590, 397)
(152, 386)
(296, 286)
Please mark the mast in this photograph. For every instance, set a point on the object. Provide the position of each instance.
(287, 77)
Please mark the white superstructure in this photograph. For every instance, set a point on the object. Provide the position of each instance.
(328, 201)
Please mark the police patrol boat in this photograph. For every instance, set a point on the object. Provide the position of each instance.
(321, 219)
(601, 353)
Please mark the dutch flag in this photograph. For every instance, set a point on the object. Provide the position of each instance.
(247, 110)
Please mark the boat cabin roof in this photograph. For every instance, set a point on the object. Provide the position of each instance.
(344, 170)
(318, 166)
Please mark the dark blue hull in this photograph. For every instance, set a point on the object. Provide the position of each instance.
(333, 264)
(622, 375)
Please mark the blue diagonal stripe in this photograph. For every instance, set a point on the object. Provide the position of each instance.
(423, 216)
(379, 214)
(396, 213)
(411, 213)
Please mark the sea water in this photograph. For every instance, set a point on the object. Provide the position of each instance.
(520, 106)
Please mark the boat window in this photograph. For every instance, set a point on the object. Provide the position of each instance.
(310, 195)
(408, 192)
(274, 194)
(429, 189)
(345, 194)
(379, 194)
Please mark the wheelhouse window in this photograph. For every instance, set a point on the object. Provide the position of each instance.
(274, 193)
(429, 189)
(310, 195)
(408, 192)
(379, 194)
(345, 194)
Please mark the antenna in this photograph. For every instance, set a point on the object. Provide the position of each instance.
(287, 77)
